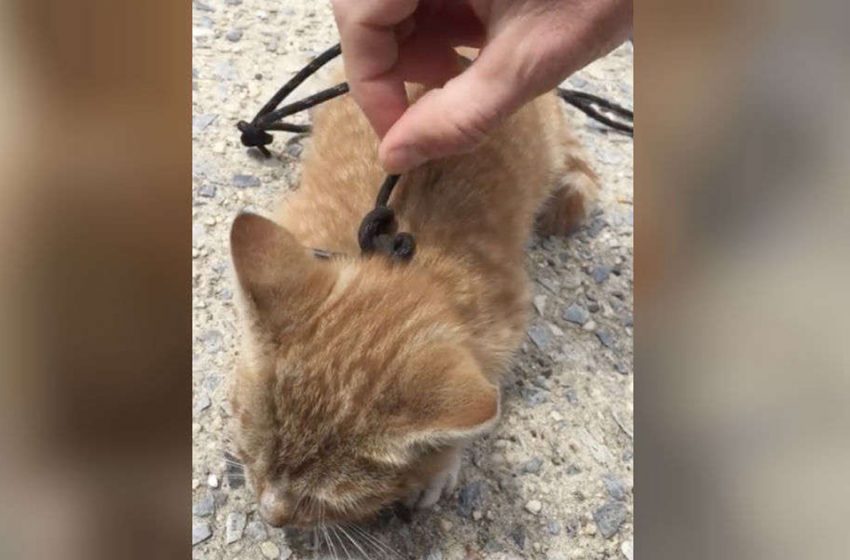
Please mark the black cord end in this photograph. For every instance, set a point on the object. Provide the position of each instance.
(404, 247)
(377, 233)
(255, 137)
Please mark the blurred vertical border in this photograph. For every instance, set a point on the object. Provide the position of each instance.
(742, 241)
(95, 333)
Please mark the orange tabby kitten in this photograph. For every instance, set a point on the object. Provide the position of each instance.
(360, 380)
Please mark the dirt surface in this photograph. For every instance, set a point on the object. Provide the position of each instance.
(554, 481)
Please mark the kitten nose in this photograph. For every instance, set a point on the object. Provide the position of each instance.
(273, 508)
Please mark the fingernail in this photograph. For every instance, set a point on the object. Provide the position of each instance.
(403, 158)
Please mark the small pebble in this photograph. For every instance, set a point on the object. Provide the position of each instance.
(616, 488)
(606, 337)
(446, 525)
(200, 532)
(628, 550)
(533, 466)
(469, 498)
(435, 554)
(245, 181)
(576, 314)
(212, 481)
(202, 403)
(207, 191)
(270, 549)
(234, 35)
(554, 528)
(540, 304)
(540, 336)
(477, 515)
(518, 536)
(234, 526)
(600, 273)
(609, 518)
(256, 530)
(205, 506)
(534, 506)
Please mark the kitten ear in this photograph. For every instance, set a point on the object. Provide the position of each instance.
(453, 403)
(273, 269)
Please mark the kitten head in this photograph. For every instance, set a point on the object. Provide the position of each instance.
(354, 384)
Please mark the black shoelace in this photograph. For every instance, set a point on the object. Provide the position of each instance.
(378, 230)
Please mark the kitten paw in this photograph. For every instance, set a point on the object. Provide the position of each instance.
(443, 484)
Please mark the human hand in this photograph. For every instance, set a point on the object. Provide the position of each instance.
(528, 48)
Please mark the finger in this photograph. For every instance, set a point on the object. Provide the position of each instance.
(457, 117)
(370, 50)
(427, 58)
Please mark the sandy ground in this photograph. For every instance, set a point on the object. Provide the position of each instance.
(554, 481)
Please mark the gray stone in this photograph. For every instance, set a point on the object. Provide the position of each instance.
(256, 530)
(596, 226)
(621, 368)
(534, 507)
(540, 336)
(600, 273)
(576, 314)
(201, 403)
(294, 147)
(616, 488)
(470, 497)
(554, 528)
(628, 550)
(436, 554)
(235, 526)
(245, 181)
(202, 7)
(206, 190)
(270, 550)
(200, 532)
(518, 536)
(233, 2)
(551, 285)
(234, 35)
(540, 304)
(212, 340)
(606, 337)
(609, 518)
(533, 466)
(535, 397)
(202, 121)
(578, 82)
(205, 506)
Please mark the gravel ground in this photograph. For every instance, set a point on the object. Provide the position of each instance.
(554, 481)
